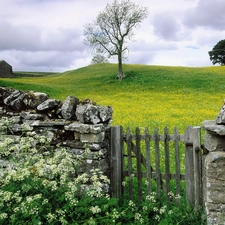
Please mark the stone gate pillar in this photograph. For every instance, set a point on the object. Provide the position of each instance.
(214, 169)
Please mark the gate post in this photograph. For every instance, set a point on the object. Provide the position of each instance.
(116, 161)
(189, 166)
(214, 166)
(197, 165)
(193, 165)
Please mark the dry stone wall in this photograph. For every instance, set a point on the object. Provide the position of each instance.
(73, 124)
(214, 169)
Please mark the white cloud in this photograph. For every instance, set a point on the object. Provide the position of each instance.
(166, 26)
(18, 37)
(39, 35)
(208, 13)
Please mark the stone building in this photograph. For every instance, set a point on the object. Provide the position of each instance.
(5, 69)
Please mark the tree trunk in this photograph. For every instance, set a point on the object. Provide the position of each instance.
(120, 74)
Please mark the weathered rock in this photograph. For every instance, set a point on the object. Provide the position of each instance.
(12, 113)
(50, 123)
(79, 145)
(4, 93)
(212, 127)
(96, 138)
(220, 119)
(77, 136)
(214, 142)
(214, 184)
(31, 116)
(73, 144)
(93, 114)
(96, 128)
(105, 113)
(96, 155)
(47, 105)
(17, 104)
(16, 119)
(89, 164)
(14, 128)
(84, 128)
(69, 106)
(88, 114)
(33, 99)
(48, 134)
(12, 97)
(2, 110)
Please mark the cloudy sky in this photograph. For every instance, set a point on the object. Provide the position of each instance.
(47, 35)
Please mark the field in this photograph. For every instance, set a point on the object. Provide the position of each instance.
(150, 96)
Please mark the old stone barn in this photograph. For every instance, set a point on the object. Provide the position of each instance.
(5, 69)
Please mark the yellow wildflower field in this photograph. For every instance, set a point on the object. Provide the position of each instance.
(150, 96)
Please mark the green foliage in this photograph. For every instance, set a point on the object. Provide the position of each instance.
(39, 186)
(217, 54)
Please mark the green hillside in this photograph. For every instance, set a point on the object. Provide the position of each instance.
(149, 96)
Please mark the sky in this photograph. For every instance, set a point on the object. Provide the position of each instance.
(47, 35)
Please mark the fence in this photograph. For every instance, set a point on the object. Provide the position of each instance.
(148, 158)
(73, 124)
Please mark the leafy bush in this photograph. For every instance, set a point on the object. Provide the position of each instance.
(39, 185)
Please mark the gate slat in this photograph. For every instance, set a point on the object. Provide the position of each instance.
(157, 164)
(148, 161)
(129, 158)
(139, 171)
(167, 162)
(116, 161)
(177, 160)
(189, 166)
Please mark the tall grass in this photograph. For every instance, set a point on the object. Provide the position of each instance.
(149, 96)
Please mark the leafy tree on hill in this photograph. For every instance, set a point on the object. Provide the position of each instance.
(114, 26)
(217, 54)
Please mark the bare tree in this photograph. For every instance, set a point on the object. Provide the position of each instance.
(114, 26)
(98, 59)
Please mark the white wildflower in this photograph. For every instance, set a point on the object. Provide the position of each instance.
(95, 209)
(131, 204)
(3, 216)
(162, 210)
(157, 217)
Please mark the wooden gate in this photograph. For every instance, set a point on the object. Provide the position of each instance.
(156, 159)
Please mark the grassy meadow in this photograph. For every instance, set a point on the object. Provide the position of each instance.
(150, 96)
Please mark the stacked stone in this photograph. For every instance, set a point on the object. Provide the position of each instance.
(74, 124)
(214, 168)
